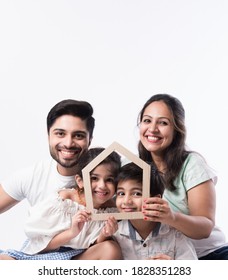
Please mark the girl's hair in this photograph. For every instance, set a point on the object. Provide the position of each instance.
(176, 153)
(131, 171)
(114, 159)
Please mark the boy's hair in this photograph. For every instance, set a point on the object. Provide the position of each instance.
(131, 171)
(76, 108)
(114, 159)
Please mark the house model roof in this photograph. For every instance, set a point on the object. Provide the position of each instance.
(95, 162)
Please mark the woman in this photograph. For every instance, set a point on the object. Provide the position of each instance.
(188, 203)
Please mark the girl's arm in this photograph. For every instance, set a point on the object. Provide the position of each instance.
(64, 237)
(200, 221)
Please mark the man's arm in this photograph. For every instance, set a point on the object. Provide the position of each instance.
(6, 201)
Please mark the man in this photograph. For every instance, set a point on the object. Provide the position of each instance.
(70, 126)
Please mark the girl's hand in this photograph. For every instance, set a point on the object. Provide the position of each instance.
(157, 209)
(78, 221)
(111, 226)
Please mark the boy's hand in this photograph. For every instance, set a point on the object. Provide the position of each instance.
(160, 257)
(111, 226)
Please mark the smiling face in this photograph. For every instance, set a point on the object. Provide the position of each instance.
(129, 196)
(102, 184)
(68, 139)
(156, 128)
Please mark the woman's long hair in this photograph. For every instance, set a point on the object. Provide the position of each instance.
(176, 153)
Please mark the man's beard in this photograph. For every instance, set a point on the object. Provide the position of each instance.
(66, 163)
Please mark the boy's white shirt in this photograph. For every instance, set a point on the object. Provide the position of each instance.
(163, 239)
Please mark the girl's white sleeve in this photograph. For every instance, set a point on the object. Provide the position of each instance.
(46, 219)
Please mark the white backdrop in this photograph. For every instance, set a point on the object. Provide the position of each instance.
(114, 54)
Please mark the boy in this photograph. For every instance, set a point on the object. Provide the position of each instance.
(142, 239)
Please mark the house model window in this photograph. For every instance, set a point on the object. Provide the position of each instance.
(131, 158)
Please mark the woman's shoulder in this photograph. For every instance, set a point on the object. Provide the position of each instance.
(195, 159)
(193, 155)
(195, 165)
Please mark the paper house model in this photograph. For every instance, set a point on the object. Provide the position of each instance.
(95, 162)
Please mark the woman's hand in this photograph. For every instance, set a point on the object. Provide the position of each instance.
(157, 209)
(198, 223)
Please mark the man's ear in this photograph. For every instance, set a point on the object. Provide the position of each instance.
(158, 195)
(79, 181)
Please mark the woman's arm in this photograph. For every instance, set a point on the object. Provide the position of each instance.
(200, 221)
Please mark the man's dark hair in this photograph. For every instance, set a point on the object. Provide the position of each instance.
(76, 108)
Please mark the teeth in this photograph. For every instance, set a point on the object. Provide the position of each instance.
(153, 138)
(67, 152)
(128, 210)
(101, 193)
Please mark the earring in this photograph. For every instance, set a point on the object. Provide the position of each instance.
(80, 190)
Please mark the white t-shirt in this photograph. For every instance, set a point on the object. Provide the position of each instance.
(36, 182)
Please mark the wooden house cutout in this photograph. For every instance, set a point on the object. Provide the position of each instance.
(95, 162)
